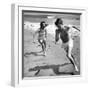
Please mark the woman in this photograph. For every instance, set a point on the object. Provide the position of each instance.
(42, 36)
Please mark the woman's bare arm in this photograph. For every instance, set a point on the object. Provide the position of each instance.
(36, 32)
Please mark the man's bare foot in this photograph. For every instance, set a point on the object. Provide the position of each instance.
(76, 69)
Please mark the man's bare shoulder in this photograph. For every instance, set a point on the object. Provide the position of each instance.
(66, 27)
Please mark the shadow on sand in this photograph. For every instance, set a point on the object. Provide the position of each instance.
(55, 68)
(33, 53)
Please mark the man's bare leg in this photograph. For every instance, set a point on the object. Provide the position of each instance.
(71, 58)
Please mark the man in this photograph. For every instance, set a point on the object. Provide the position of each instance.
(66, 35)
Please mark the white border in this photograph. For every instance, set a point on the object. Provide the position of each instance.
(17, 46)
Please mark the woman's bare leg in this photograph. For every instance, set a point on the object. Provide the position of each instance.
(44, 47)
(43, 44)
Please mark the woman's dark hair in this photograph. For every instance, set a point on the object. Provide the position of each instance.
(41, 23)
(59, 20)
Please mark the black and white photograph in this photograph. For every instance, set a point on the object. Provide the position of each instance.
(50, 43)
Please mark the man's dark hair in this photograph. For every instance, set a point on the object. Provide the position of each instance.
(59, 20)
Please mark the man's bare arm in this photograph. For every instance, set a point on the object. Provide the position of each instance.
(76, 28)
